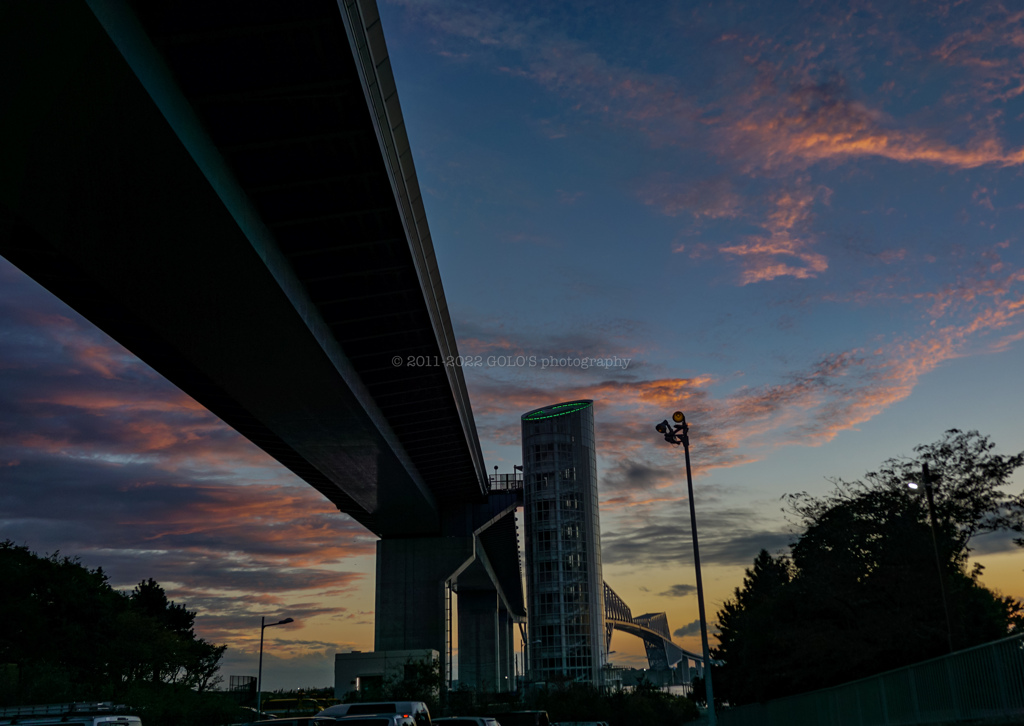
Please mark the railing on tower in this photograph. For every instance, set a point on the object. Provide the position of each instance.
(506, 482)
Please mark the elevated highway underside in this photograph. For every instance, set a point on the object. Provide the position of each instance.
(227, 189)
(228, 194)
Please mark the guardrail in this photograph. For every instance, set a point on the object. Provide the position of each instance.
(981, 684)
(505, 482)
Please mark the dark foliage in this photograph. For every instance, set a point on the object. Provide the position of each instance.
(860, 592)
(70, 636)
(646, 705)
(420, 681)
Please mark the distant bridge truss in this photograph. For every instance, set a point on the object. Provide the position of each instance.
(652, 628)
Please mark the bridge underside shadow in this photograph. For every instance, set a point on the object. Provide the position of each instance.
(227, 189)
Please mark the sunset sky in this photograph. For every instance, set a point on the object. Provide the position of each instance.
(799, 223)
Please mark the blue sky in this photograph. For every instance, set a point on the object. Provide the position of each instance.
(798, 222)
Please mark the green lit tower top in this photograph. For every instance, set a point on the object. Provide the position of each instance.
(565, 590)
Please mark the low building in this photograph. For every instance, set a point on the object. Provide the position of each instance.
(358, 671)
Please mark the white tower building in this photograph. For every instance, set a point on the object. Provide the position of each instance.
(565, 592)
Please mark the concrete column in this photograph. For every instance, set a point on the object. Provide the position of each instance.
(506, 650)
(479, 649)
(410, 602)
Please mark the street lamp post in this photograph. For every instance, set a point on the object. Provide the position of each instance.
(929, 487)
(259, 674)
(679, 434)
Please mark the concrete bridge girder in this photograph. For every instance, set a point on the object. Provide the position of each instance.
(126, 189)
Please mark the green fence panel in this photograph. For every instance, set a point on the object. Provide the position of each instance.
(984, 683)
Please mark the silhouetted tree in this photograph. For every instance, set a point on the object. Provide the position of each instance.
(756, 622)
(71, 636)
(698, 691)
(969, 494)
(421, 680)
(60, 623)
(149, 599)
(860, 592)
(646, 705)
(172, 653)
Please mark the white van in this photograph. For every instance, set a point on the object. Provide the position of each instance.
(96, 713)
(416, 709)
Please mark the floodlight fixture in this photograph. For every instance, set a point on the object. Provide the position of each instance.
(679, 434)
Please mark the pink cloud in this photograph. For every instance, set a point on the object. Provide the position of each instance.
(87, 350)
(890, 257)
(757, 122)
(807, 407)
(989, 48)
(94, 398)
(816, 123)
(783, 251)
(710, 199)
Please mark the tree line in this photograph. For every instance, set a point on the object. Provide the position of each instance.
(861, 590)
(565, 701)
(68, 635)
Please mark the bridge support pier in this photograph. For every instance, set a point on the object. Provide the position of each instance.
(486, 645)
(411, 615)
(410, 600)
(507, 651)
(479, 640)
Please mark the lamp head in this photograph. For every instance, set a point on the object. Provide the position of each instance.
(662, 428)
(678, 417)
(912, 484)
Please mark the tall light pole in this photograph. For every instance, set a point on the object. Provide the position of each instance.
(259, 674)
(929, 485)
(679, 434)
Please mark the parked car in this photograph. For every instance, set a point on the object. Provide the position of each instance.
(94, 713)
(378, 719)
(417, 710)
(278, 707)
(466, 721)
(297, 721)
(522, 718)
